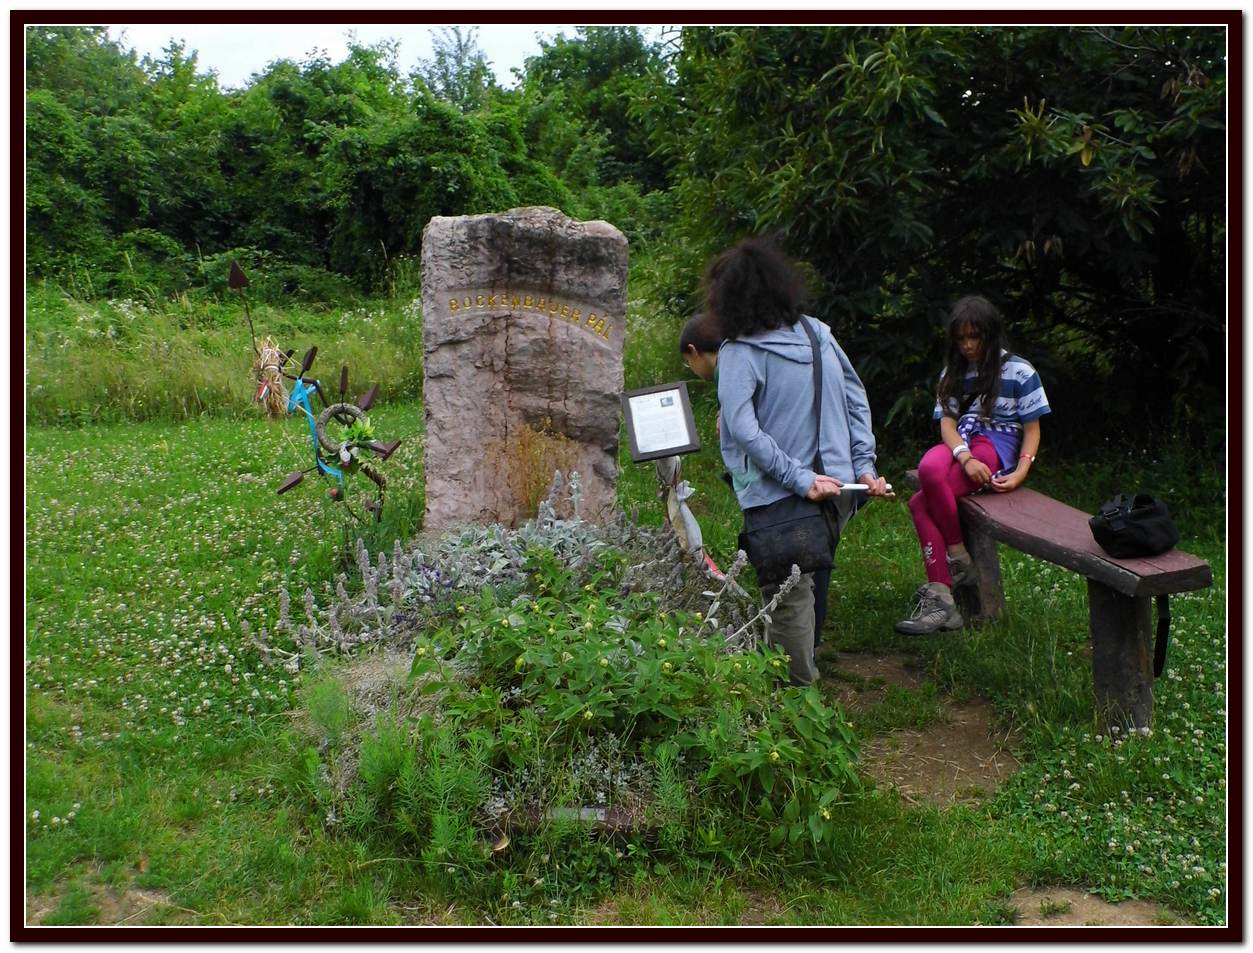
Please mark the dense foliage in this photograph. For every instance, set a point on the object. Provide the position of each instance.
(1073, 174)
(142, 174)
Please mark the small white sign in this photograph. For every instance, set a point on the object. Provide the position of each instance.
(659, 422)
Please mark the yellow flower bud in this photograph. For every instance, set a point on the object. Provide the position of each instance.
(774, 756)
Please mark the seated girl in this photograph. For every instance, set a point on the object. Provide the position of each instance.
(989, 404)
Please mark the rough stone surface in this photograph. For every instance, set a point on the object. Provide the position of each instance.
(523, 328)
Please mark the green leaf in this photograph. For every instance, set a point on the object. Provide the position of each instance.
(815, 827)
(765, 775)
(791, 810)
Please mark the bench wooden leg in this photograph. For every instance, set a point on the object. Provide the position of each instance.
(1122, 656)
(985, 601)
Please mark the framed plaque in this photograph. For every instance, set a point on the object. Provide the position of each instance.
(659, 422)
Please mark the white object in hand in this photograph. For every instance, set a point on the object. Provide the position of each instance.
(862, 486)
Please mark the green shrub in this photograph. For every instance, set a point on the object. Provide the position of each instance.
(148, 265)
(576, 693)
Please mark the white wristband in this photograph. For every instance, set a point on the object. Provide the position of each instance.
(959, 450)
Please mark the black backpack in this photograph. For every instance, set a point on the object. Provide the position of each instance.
(1127, 527)
(1130, 527)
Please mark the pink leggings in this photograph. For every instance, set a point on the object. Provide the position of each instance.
(941, 483)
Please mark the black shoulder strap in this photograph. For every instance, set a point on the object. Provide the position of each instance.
(813, 343)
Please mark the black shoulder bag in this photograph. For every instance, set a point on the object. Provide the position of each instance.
(793, 530)
(1131, 527)
(1128, 527)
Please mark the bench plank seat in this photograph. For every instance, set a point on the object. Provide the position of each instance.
(1048, 529)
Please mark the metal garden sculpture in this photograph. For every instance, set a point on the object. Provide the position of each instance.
(340, 434)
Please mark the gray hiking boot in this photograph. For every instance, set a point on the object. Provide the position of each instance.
(963, 571)
(935, 612)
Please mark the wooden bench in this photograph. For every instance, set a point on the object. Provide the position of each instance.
(1120, 591)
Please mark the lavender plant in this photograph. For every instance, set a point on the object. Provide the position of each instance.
(401, 596)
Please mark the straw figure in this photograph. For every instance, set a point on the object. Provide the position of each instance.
(267, 375)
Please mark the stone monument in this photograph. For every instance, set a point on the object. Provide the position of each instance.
(523, 318)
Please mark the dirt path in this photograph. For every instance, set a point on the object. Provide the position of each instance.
(1068, 907)
(959, 757)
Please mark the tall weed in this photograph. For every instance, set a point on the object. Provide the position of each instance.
(111, 361)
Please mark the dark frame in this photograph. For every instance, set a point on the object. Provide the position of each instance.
(681, 388)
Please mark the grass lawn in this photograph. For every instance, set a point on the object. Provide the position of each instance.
(158, 778)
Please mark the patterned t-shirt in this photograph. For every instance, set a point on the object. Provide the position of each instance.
(1021, 399)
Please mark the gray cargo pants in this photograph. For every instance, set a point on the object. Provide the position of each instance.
(791, 627)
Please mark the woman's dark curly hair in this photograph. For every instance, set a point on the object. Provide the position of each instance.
(985, 320)
(753, 287)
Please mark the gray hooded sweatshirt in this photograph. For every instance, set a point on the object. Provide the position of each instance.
(769, 435)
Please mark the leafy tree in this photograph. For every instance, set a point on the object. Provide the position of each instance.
(64, 216)
(458, 72)
(578, 91)
(908, 165)
(392, 177)
(75, 79)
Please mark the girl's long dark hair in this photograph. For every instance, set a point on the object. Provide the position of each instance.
(752, 287)
(984, 318)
